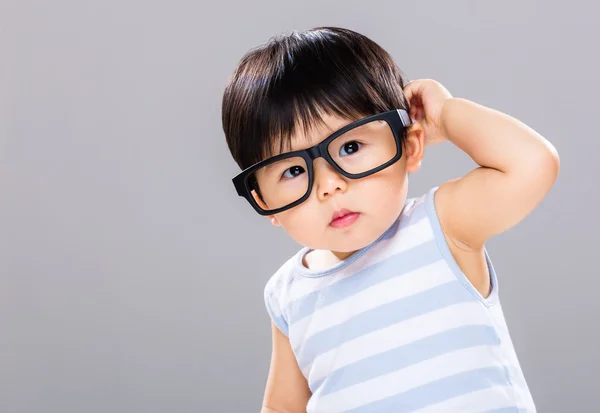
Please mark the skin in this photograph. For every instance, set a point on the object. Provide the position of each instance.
(309, 223)
(517, 168)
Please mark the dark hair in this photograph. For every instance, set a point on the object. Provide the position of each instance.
(296, 77)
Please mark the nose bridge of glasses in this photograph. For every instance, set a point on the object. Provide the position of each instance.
(319, 151)
(316, 152)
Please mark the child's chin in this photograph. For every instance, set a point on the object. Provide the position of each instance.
(351, 245)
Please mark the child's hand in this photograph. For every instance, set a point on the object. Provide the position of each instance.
(426, 99)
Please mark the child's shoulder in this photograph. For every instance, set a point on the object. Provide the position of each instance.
(283, 276)
(273, 298)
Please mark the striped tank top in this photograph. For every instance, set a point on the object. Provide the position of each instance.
(397, 327)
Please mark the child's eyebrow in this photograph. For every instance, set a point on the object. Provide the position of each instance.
(282, 162)
(324, 134)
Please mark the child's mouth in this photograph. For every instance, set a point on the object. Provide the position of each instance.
(343, 218)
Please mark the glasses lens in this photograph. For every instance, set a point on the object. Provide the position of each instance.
(280, 183)
(364, 148)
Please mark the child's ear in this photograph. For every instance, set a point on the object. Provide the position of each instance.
(414, 147)
(260, 202)
(274, 220)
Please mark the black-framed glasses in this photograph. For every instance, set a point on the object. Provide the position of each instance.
(357, 150)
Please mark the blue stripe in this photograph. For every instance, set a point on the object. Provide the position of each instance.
(281, 324)
(399, 264)
(437, 391)
(380, 317)
(404, 356)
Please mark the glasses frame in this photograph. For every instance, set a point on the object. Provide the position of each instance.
(397, 119)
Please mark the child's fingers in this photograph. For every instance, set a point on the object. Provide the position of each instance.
(420, 114)
(416, 112)
(411, 90)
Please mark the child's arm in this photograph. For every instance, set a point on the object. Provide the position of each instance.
(517, 169)
(517, 165)
(286, 390)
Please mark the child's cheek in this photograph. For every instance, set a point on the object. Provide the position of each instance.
(299, 222)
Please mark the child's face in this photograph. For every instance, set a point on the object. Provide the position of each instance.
(376, 200)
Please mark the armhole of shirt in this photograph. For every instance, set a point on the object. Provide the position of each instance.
(449, 258)
(274, 308)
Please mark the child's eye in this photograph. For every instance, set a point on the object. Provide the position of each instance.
(349, 148)
(293, 172)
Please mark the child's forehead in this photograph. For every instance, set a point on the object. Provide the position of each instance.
(304, 137)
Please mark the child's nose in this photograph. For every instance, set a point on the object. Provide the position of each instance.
(328, 181)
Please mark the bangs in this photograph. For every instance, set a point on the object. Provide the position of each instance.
(288, 85)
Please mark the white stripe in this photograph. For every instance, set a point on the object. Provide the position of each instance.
(412, 236)
(405, 332)
(498, 397)
(274, 305)
(275, 284)
(413, 282)
(417, 375)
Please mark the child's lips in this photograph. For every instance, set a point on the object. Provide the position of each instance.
(343, 218)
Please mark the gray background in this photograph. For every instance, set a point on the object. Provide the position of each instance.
(131, 274)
